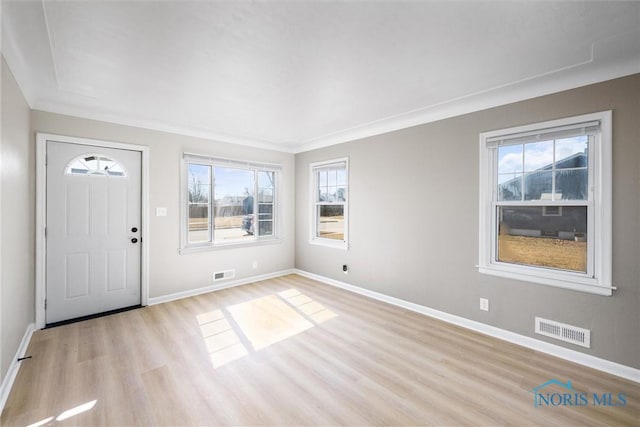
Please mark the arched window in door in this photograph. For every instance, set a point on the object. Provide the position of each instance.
(95, 165)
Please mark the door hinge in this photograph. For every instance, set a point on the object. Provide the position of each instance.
(45, 304)
(45, 232)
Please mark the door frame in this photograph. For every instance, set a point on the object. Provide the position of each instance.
(41, 214)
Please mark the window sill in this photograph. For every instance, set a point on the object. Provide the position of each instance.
(573, 281)
(336, 244)
(232, 245)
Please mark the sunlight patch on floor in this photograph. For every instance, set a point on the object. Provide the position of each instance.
(66, 414)
(75, 411)
(222, 343)
(268, 320)
(313, 309)
(41, 422)
(260, 322)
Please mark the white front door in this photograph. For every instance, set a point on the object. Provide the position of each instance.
(92, 230)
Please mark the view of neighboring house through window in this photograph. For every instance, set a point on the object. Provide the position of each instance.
(546, 202)
(550, 172)
(228, 202)
(330, 194)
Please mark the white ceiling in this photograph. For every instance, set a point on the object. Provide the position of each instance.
(299, 75)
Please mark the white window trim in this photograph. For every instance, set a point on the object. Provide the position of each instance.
(185, 246)
(313, 238)
(600, 238)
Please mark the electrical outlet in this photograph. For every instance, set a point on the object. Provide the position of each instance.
(254, 264)
(484, 304)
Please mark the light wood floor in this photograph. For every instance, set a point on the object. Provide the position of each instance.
(292, 351)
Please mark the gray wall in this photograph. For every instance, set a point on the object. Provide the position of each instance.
(170, 272)
(414, 221)
(18, 220)
(414, 217)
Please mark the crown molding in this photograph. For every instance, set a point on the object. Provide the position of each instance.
(57, 108)
(610, 58)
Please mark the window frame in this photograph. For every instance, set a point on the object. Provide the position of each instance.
(598, 278)
(213, 162)
(314, 239)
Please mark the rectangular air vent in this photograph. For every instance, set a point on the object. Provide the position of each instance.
(223, 275)
(563, 332)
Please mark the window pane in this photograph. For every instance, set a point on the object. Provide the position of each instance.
(199, 183)
(571, 184)
(116, 170)
(265, 211)
(332, 178)
(266, 228)
(266, 186)
(322, 178)
(510, 159)
(95, 165)
(572, 152)
(324, 194)
(553, 237)
(538, 185)
(199, 187)
(105, 164)
(91, 162)
(538, 155)
(341, 177)
(331, 194)
(198, 223)
(234, 201)
(510, 167)
(510, 186)
(265, 219)
(331, 222)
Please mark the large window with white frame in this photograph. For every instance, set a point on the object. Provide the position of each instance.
(329, 195)
(545, 203)
(228, 202)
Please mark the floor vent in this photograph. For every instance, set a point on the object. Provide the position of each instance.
(563, 332)
(223, 275)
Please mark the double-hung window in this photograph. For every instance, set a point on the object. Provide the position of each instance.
(329, 196)
(227, 202)
(545, 203)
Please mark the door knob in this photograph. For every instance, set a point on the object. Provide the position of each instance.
(134, 240)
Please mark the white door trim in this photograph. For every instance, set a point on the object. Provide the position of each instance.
(41, 214)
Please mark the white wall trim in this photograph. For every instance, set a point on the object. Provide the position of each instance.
(12, 372)
(603, 365)
(41, 214)
(217, 287)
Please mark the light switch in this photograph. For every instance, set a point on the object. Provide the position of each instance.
(161, 211)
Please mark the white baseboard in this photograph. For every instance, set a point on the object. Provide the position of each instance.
(604, 365)
(8, 380)
(217, 287)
